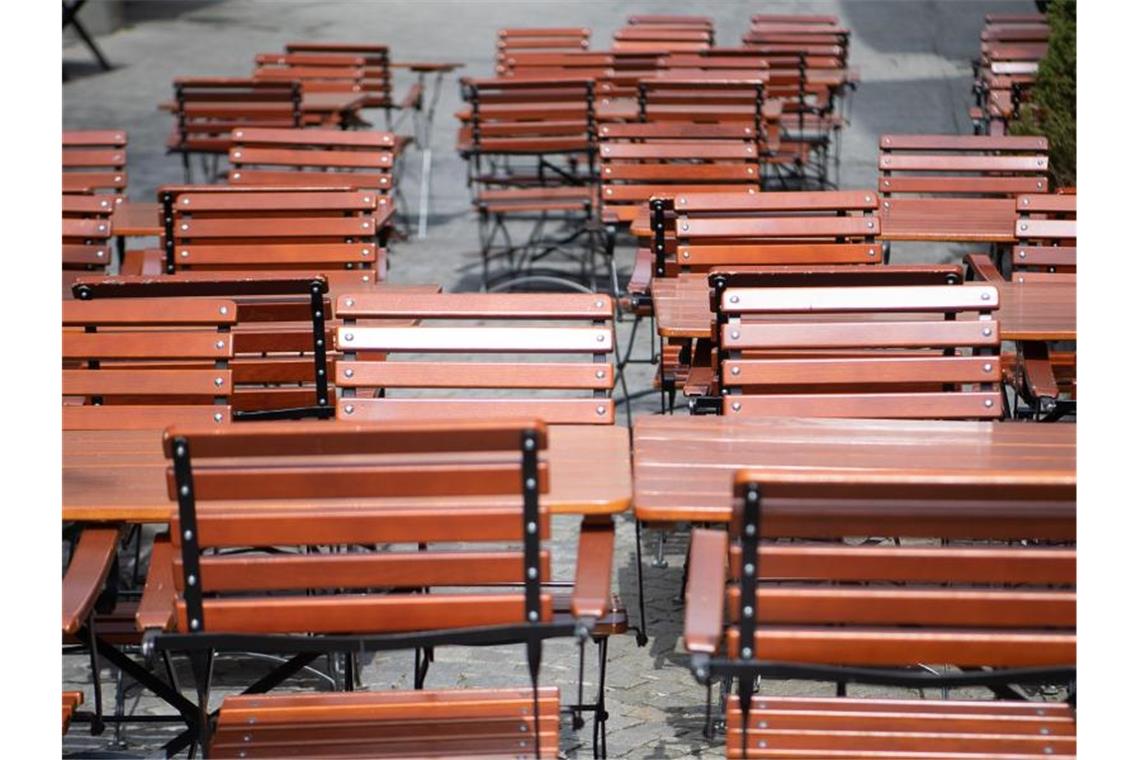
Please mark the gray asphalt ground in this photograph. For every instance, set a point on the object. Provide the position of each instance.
(914, 63)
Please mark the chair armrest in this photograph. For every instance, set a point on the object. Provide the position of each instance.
(150, 261)
(704, 594)
(595, 567)
(156, 608)
(412, 98)
(979, 266)
(86, 575)
(1037, 371)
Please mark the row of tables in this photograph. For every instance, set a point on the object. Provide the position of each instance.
(682, 467)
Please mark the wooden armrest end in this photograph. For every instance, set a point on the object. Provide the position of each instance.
(87, 573)
(595, 568)
(704, 593)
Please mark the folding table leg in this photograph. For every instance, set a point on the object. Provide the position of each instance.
(425, 192)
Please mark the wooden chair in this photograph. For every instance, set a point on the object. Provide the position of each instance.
(532, 40)
(339, 233)
(71, 701)
(363, 160)
(1046, 248)
(1005, 71)
(297, 603)
(957, 187)
(208, 110)
(530, 145)
(87, 232)
(983, 581)
(919, 352)
(282, 352)
(117, 362)
(555, 390)
(317, 72)
(378, 80)
(94, 161)
(699, 380)
(715, 229)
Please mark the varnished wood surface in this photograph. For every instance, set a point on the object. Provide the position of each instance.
(1037, 310)
(1029, 310)
(684, 466)
(120, 475)
(136, 219)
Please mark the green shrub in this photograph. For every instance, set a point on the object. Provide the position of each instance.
(1053, 110)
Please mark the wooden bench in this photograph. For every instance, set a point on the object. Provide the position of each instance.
(957, 187)
(508, 329)
(926, 352)
(118, 357)
(296, 602)
(340, 233)
(983, 582)
(282, 339)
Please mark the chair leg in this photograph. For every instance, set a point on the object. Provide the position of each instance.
(600, 714)
(96, 683)
(576, 713)
(642, 631)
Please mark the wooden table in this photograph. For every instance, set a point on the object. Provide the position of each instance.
(967, 220)
(681, 305)
(137, 219)
(120, 475)
(683, 467)
(1037, 311)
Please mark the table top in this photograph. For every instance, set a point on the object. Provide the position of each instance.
(683, 466)
(120, 475)
(443, 66)
(1037, 310)
(970, 220)
(136, 219)
(681, 305)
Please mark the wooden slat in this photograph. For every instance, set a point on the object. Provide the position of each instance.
(361, 305)
(592, 411)
(809, 300)
(469, 339)
(871, 370)
(155, 312)
(393, 374)
(951, 405)
(86, 573)
(156, 608)
(859, 334)
(144, 417)
(147, 382)
(167, 344)
(362, 613)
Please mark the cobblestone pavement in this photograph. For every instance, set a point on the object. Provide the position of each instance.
(914, 63)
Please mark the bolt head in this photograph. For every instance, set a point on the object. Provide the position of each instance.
(217, 416)
(349, 373)
(348, 337)
(601, 410)
(349, 409)
(987, 367)
(735, 370)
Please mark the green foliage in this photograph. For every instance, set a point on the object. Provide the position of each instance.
(1053, 110)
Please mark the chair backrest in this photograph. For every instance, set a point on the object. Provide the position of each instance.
(95, 160)
(981, 576)
(672, 20)
(377, 82)
(282, 340)
(697, 96)
(361, 159)
(339, 233)
(518, 40)
(663, 37)
(209, 109)
(963, 166)
(530, 115)
(1046, 248)
(926, 352)
(715, 229)
(538, 356)
(87, 231)
(269, 476)
(640, 161)
(118, 358)
(317, 72)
